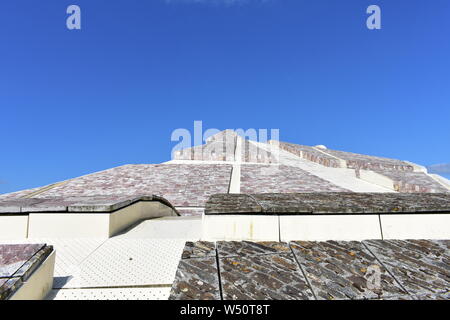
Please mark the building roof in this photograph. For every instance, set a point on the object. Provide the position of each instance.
(228, 163)
(302, 270)
(327, 203)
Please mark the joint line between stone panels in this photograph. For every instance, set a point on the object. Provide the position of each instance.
(279, 229)
(381, 227)
(257, 202)
(384, 266)
(218, 272)
(302, 271)
(231, 179)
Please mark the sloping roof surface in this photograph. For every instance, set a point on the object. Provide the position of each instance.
(301, 270)
(228, 163)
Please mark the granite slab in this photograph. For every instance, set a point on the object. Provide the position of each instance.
(422, 267)
(196, 279)
(263, 277)
(344, 270)
(248, 248)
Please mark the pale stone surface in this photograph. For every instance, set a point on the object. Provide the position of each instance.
(240, 227)
(330, 227)
(416, 226)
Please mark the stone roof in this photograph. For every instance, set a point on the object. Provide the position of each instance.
(301, 270)
(228, 163)
(328, 203)
(17, 263)
(74, 204)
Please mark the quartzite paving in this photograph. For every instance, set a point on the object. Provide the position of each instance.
(199, 249)
(282, 179)
(181, 184)
(421, 266)
(328, 202)
(410, 182)
(196, 279)
(263, 277)
(243, 248)
(361, 161)
(342, 270)
(318, 270)
(14, 256)
(311, 154)
(17, 263)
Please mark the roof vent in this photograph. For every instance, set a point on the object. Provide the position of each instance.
(321, 146)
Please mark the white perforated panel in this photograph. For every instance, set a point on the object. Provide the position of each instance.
(129, 262)
(110, 294)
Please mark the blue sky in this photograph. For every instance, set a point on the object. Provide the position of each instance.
(78, 101)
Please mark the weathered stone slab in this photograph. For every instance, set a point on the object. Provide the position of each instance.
(196, 279)
(199, 249)
(329, 203)
(263, 277)
(232, 203)
(8, 286)
(344, 270)
(282, 203)
(421, 266)
(33, 263)
(282, 179)
(14, 256)
(247, 248)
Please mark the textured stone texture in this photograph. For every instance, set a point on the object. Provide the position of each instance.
(340, 270)
(8, 286)
(421, 266)
(360, 161)
(243, 248)
(328, 202)
(17, 263)
(281, 179)
(263, 277)
(406, 181)
(108, 203)
(182, 185)
(252, 153)
(196, 279)
(309, 153)
(14, 256)
(199, 249)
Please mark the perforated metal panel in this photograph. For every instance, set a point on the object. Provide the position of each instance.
(129, 262)
(110, 294)
(145, 255)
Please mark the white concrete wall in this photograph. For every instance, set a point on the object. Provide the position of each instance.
(75, 225)
(325, 227)
(68, 225)
(240, 227)
(416, 226)
(13, 227)
(330, 227)
(39, 283)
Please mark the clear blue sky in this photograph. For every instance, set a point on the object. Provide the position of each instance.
(75, 102)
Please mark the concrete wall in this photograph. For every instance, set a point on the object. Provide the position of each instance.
(13, 227)
(326, 227)
(73, 225)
